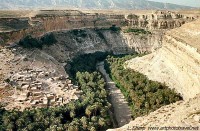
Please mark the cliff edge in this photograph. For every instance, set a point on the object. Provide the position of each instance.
(177, 63)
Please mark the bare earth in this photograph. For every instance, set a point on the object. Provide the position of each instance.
(122, 111)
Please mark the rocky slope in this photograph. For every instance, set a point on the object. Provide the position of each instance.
(177, 62)
(81, 41)
(144, 43)
(19, 64)
(99, 4)
(182, 115)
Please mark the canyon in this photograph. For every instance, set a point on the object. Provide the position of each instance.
(172, 48)
(176, 63)
(178, 69)
(37, 23)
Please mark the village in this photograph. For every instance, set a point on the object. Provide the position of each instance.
(36, 89)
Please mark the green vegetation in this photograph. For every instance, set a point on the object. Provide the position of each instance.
(90, 112)
(143, 95)
(79, 33)
(132, 16)
(115, 28)
(3, 38)
(136, 31)
(85, 63)
(30, 42)
(48, 39)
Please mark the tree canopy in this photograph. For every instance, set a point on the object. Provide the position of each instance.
(90, 112)
(142, 94)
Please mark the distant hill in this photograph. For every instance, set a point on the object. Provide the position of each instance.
(89, 4)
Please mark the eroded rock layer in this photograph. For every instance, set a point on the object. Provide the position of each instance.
(37, 75)
(39, 22)
(182, 115)
(177, 63)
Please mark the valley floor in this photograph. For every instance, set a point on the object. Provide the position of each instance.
(122, 112)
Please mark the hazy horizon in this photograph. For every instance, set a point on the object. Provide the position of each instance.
(101, 4)
(193, 3)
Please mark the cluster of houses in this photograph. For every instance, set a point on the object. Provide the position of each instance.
(36, 88)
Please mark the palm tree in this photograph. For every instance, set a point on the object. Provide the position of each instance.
(92, 128)
(102, 122)
(84, 122)
(103, 112)
(96, 106)
(74, 125)
(10, 126)
(88, 111)
(20, 123)
(72, 114)
(94, 119)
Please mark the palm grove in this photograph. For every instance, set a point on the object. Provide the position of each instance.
(91, 111)
(142, 94)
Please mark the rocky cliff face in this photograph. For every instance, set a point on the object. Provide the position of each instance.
(80, 41)
(144, 43)
(18, 64)
(176, 63)
(182, 115)
(55, 20)
(159, 20)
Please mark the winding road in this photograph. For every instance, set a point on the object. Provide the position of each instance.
(122, 112)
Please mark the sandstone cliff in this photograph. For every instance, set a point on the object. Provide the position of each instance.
(176, 63)
(39, 22)
(180, 114)
(74, 42)
(81, 41)
(144, 43)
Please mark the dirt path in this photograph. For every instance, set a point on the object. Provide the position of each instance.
(122, 112)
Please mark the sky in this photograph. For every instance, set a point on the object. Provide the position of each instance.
(194, 3)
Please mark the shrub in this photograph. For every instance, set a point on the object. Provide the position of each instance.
(115, 28)
(136, 31)
(48, 39)
(31, 42)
